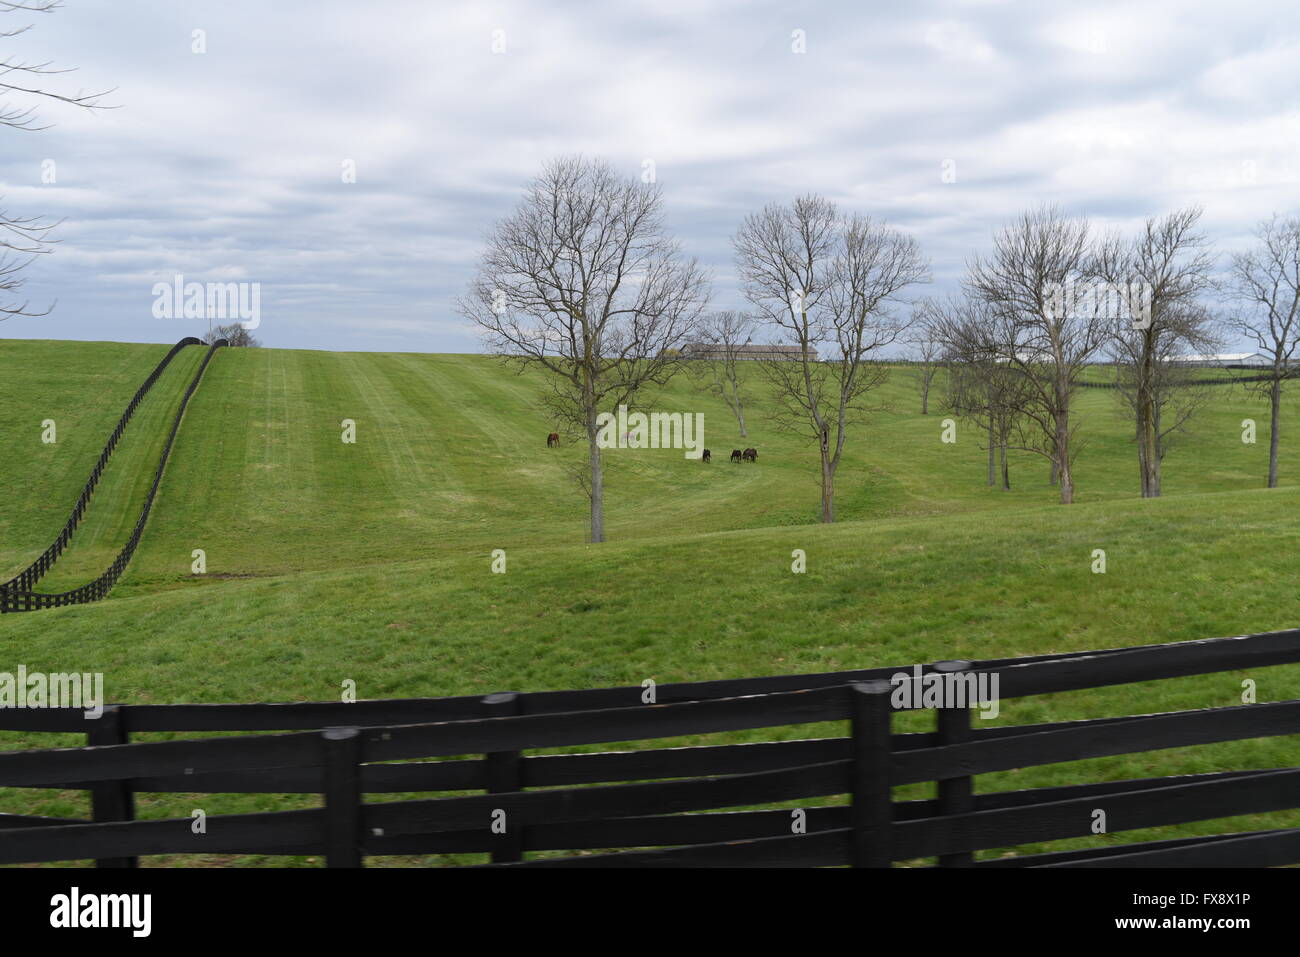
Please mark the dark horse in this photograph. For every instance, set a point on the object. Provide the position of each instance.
(553, 440)
(736, 455)
(750, 455)
(707, 456)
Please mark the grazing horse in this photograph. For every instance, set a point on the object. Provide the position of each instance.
(553, 440)
(750, 455)
(736, 455)
(707, 456)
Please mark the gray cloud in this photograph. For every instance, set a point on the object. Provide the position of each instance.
(226, 165)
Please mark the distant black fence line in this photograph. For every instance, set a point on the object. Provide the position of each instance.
(1225, 380)
(28, 577)
(16, 594)
(671, 799)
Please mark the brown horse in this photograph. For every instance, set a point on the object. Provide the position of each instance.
(707, 456)
(749, 455)
(736, 455)
(553, 440)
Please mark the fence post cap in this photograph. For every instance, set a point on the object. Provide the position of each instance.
(875, 686)
(339, 734)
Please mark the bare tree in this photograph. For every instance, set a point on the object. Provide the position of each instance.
(981, 387)
(235, 334)
(1151, 377)
(926, 351)
(1034, 260)
(583, 282)
(1266, 280)
(826, 281)
(1158, 277)
(724, 334)
(21, 83)
(21, 240)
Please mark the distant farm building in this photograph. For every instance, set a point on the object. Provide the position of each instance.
(1028, 357)
(1225, 360)
(713, 350)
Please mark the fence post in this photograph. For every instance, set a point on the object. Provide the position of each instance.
(111, 800)
(872, 812)
(504, 776)
(342, 796)
(956, 795)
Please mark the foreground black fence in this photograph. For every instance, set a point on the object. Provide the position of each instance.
(16, 595)
(665, 806)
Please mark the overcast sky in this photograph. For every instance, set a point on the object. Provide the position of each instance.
(227, 164)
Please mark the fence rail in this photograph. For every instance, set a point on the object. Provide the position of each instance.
(30, 575)
(670, 806)
(16, 594)
(1224, 380)
(1098, 668)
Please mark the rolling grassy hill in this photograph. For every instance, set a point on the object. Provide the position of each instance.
(370, 562)
(450, 462)
(451, 454)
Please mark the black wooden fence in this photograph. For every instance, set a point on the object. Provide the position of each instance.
(662, 806)
(17, 594)
(1225, 380)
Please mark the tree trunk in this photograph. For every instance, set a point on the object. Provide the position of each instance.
(1275, 397)
(828, 494)
(1142, 463)
(1160, 455)
(1062, 438)
(1148, 453)
(729, 386)
(1063, 458)
(925, 394)
(597, 485)
(1006, 474)
(828, 483)
(993, 465)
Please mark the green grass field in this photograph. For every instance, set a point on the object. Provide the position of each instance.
(371, 561)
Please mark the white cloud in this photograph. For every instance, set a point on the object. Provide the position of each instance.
(959, 40)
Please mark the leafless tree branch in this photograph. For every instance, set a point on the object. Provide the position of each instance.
(583, 282)
(827, 282)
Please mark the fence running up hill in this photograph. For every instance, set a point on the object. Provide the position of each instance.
(16, 594)
(660, 807)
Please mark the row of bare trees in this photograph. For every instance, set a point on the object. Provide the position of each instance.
(584, 281)
(1017, 347)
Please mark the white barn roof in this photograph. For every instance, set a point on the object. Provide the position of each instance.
(1226, 358)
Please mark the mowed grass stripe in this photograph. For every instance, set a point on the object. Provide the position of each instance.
(451, 449)
(122, 490)
(389, 498)
(78, 421)
(84, 388)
